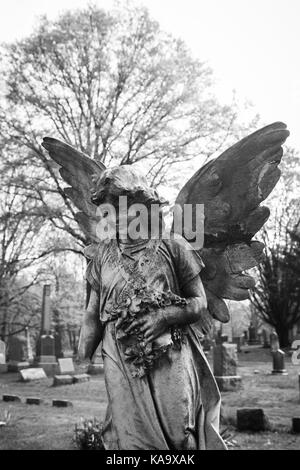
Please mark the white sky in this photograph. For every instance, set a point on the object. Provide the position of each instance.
(252, 45)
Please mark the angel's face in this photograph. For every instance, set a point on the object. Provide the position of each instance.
(132, 219)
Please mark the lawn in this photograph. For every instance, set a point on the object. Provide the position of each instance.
(47, 427)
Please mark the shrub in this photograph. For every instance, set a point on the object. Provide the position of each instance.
(88, 435)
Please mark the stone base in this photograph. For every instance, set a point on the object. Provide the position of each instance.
(3, 368)
(80, 378)
(48, 363)
(62, 380)
(15, 366)
(50, 368)
(280, 372)
(229, 383)
(95, 369)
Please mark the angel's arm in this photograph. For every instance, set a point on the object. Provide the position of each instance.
(92, 330)
(194, 311)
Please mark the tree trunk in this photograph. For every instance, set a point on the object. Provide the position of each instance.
(283, 335)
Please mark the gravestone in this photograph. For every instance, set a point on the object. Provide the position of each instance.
(278, 363)
(46, 343)
(252, 419)
(266, 339)
(31, 374)
(96, 367)
(238, 341)
(66, 366)
(252, 335)
(29, 348)
(3, 365)
(274, 341)
(225, 367)
(17, 353)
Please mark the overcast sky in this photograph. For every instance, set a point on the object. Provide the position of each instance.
(252, 45)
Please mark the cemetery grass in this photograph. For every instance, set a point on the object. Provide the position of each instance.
(45, 427)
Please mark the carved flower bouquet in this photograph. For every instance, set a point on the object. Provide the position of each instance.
(143, 356)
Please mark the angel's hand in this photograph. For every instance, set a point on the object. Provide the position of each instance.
(205, 322)
(152, 325)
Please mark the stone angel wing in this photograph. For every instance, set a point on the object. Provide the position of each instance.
(78, 171)
(232, 187)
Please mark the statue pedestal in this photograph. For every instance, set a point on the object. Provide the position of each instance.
(49, 364)
(229, 383)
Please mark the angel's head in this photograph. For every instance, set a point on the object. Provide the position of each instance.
(115, 183)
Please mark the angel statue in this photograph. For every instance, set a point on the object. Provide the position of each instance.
(153, 298)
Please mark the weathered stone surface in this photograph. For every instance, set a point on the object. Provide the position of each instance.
(278, 362)
(274, 341)
(17, 348)
(27, 375)
(225, 360)
(66, 365)
(252, 419)
(95, 369)
(10, 398)
(14, 366)
(296, 425)
(79, 378)
(33, 401)
(229, 383)
(3, 368)
(62, 380)
(62, 403)
(2, 352)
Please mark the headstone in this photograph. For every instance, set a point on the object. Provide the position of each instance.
(96, 367)
(29, 348)
(17, 352)
(225, 367)
(66, 365)
(266, 339)
(11, 398)
(62, 380)
(3, 365)
(238, 341)
(253, 339)
(252, 419)
(2, 352)
(46, 315)
(274, 341)
(278, 363)
(31, 374)
(33, 401)
(58, 344)
(62, 403)
(80, 378)
(46, 343)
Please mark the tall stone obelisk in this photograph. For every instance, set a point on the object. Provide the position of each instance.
(46, 344)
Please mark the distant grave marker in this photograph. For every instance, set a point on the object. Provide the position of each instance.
(278, 363)
(31, 374)
(66, 366)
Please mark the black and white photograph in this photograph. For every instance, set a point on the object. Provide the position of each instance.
(149, 228)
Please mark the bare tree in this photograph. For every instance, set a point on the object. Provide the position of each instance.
(276, 297)
(115, 86)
